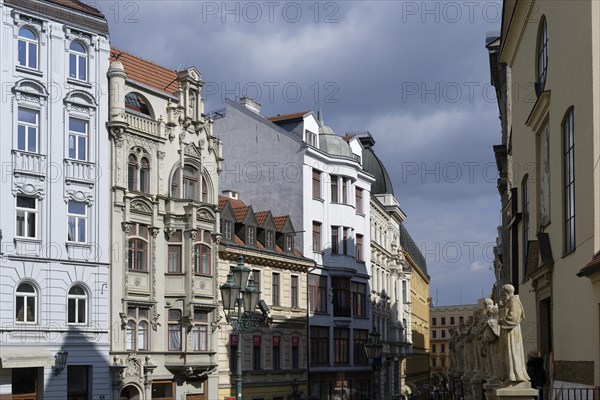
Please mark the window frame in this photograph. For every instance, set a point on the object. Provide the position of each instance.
(200, 331)
(294, 286)
(77, 300)
(335, 195)
(317, 227)
(275, 288)
(77, 218)
(28, 42)
(136, 320)
(318, 300)
(27, 126)
(568, 189)
(319, 345)
(26, 295)
(198, 258)
(26, 214)
(359, 247)
(136, 239)
(77, 136)
(316, 184)
(358, 198)
(77, 56)
(174, 326)
(542, 55)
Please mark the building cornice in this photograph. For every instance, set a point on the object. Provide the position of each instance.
(231, 252)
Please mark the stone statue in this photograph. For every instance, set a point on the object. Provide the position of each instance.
(512, 356)
(452, 348)
(491, 334)
(478, 328)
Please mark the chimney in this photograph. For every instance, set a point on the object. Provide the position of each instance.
(230, 194)
(250, 104)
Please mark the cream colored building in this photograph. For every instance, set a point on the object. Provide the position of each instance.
(164, 218)
(274, 356)
(442, 320)
(546, 67)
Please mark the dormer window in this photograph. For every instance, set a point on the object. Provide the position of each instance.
(269, 241)
(226, 230)
(137, 103)
(251, 237)
(289, 243)
(311, 138)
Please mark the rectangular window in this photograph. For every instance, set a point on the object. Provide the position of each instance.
(434, 321)
(24, 383)
(359, 297)
(295, 352)
(443, 320)
(335, 239)
(433, 362)
(294, 293)
(163, 390)
(27, 130)
(276, 352)
(341, 297)
(174, 330)
(359, 200)
(275, 289)
(233, 346)
(136, 331)
(433, 334)
(345, 190)
(289, 243)
(319, 345)
(404, 292)
(202, 259)
(200, 331)
(256, 277)
(334, 189)
(26, 217)
(316, 236)
(77, 221)
(77, 382)
(256, 342)
(443, 361)
(341, 345)
(433, 348)
(311, 138)
(443, 348)
(461, 319)
(174, 263)
(226, 230)
(361, 336)
(451, 320)
(138, 247)
(250, 239)
(270, 240)
(443, 333)
(569, 181)
(345, 241)
(78, 137)
(318, 293)
(359, 248)
(316, 184)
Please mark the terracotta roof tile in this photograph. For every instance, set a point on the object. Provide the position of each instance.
(591, 267)
(348, 137)
(284, 117)
(280, 221)
(146, 72)
(240, 213)
(233, 202)
(261, 217)
(237, 240)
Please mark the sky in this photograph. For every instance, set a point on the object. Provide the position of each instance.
(415, 74)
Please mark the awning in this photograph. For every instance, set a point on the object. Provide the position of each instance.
(25, 358)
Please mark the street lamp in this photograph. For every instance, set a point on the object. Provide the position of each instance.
(373, 349)
(238, 292)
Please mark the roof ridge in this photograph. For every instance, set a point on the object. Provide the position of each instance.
(141, 58)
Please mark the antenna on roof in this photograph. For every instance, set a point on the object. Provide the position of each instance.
(116, 56)
(320, 116)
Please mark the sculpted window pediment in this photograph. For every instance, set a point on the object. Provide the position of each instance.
(140, 206)
(29, 87)
(80, 98)
(205, 213)
(193, 151)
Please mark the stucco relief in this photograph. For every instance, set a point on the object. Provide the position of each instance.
(29, 189)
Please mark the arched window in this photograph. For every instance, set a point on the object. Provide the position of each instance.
(189, 180)
(136, 102)
(132, 167)
(28, 48)
(26, 303)
(204, 190)
(78, 61)
(136, 331)
(145, 175)
(202, 255)
(77, 305)
(542, 55)
(138, 248)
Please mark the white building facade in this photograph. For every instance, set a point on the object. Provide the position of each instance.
(54, 325)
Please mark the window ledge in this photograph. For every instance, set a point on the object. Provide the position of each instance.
(81, 245)
(362, 214)
(319, 199)
(77, 82)
(28, 70)
(24, 239)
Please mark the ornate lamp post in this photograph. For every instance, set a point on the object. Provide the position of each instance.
(373, 349)
(240, 298)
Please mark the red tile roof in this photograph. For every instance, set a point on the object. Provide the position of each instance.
(79, 6)
(591, 267)
(233, 202)
(348, 137)
(284, 117)
(261, 217)
(280, 221)
(146, 72)
(240, 213)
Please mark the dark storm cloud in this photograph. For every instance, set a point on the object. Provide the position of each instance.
(415, 74)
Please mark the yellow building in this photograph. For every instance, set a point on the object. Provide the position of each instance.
(417, 367)
(546, 69)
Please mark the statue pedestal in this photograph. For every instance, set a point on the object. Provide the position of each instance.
(476, 388)
(490, 389)
(520, 391)
(467, 386)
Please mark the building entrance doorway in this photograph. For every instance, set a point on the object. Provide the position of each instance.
(130, 393)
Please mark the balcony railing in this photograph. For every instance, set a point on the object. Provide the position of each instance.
(29, 163)
(81, 171)
(142, 124)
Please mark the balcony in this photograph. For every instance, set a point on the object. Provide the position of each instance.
(29, 163)
(80, 171)
(142, 124)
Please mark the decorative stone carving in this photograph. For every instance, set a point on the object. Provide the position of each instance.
(512, 356)
(28, 189)
(491, 334)
(79, 195)
(154, 321)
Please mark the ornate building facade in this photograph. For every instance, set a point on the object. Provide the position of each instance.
(274, 354)
(164, 181)
(54, 326)
(543, 66)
